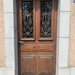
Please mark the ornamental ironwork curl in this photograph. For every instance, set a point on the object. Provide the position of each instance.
(45, 19)
(27, 19)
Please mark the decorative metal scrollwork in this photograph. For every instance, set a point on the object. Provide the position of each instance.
(45, 27)
(27, 19)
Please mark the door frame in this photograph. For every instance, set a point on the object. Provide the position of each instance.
(55, 22)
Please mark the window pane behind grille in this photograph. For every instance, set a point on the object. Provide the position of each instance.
(27, 19)
(45, 27)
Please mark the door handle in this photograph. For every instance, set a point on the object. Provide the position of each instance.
(21, 42)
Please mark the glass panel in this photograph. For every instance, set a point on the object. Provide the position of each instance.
(45, 27)
(27, 19)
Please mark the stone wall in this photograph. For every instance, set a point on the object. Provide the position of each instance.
(63, 30)
(8, 24)
(10, 27)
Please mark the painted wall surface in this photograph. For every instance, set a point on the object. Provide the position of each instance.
(2, 39)
(72, 37)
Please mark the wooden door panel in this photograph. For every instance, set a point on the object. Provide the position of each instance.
(27, 64)
(37, 47)
(45, 63)
(37, 36)
(37, 63)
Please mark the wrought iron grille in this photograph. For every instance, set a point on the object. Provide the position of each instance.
(27, 19)
(45, 19)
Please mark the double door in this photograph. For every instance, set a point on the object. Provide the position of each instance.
(37, 37)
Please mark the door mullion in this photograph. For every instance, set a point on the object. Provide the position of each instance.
(37, 19)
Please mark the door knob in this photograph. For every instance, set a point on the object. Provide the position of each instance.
(21, 42)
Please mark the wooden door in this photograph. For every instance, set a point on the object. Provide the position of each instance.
(37, 37)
